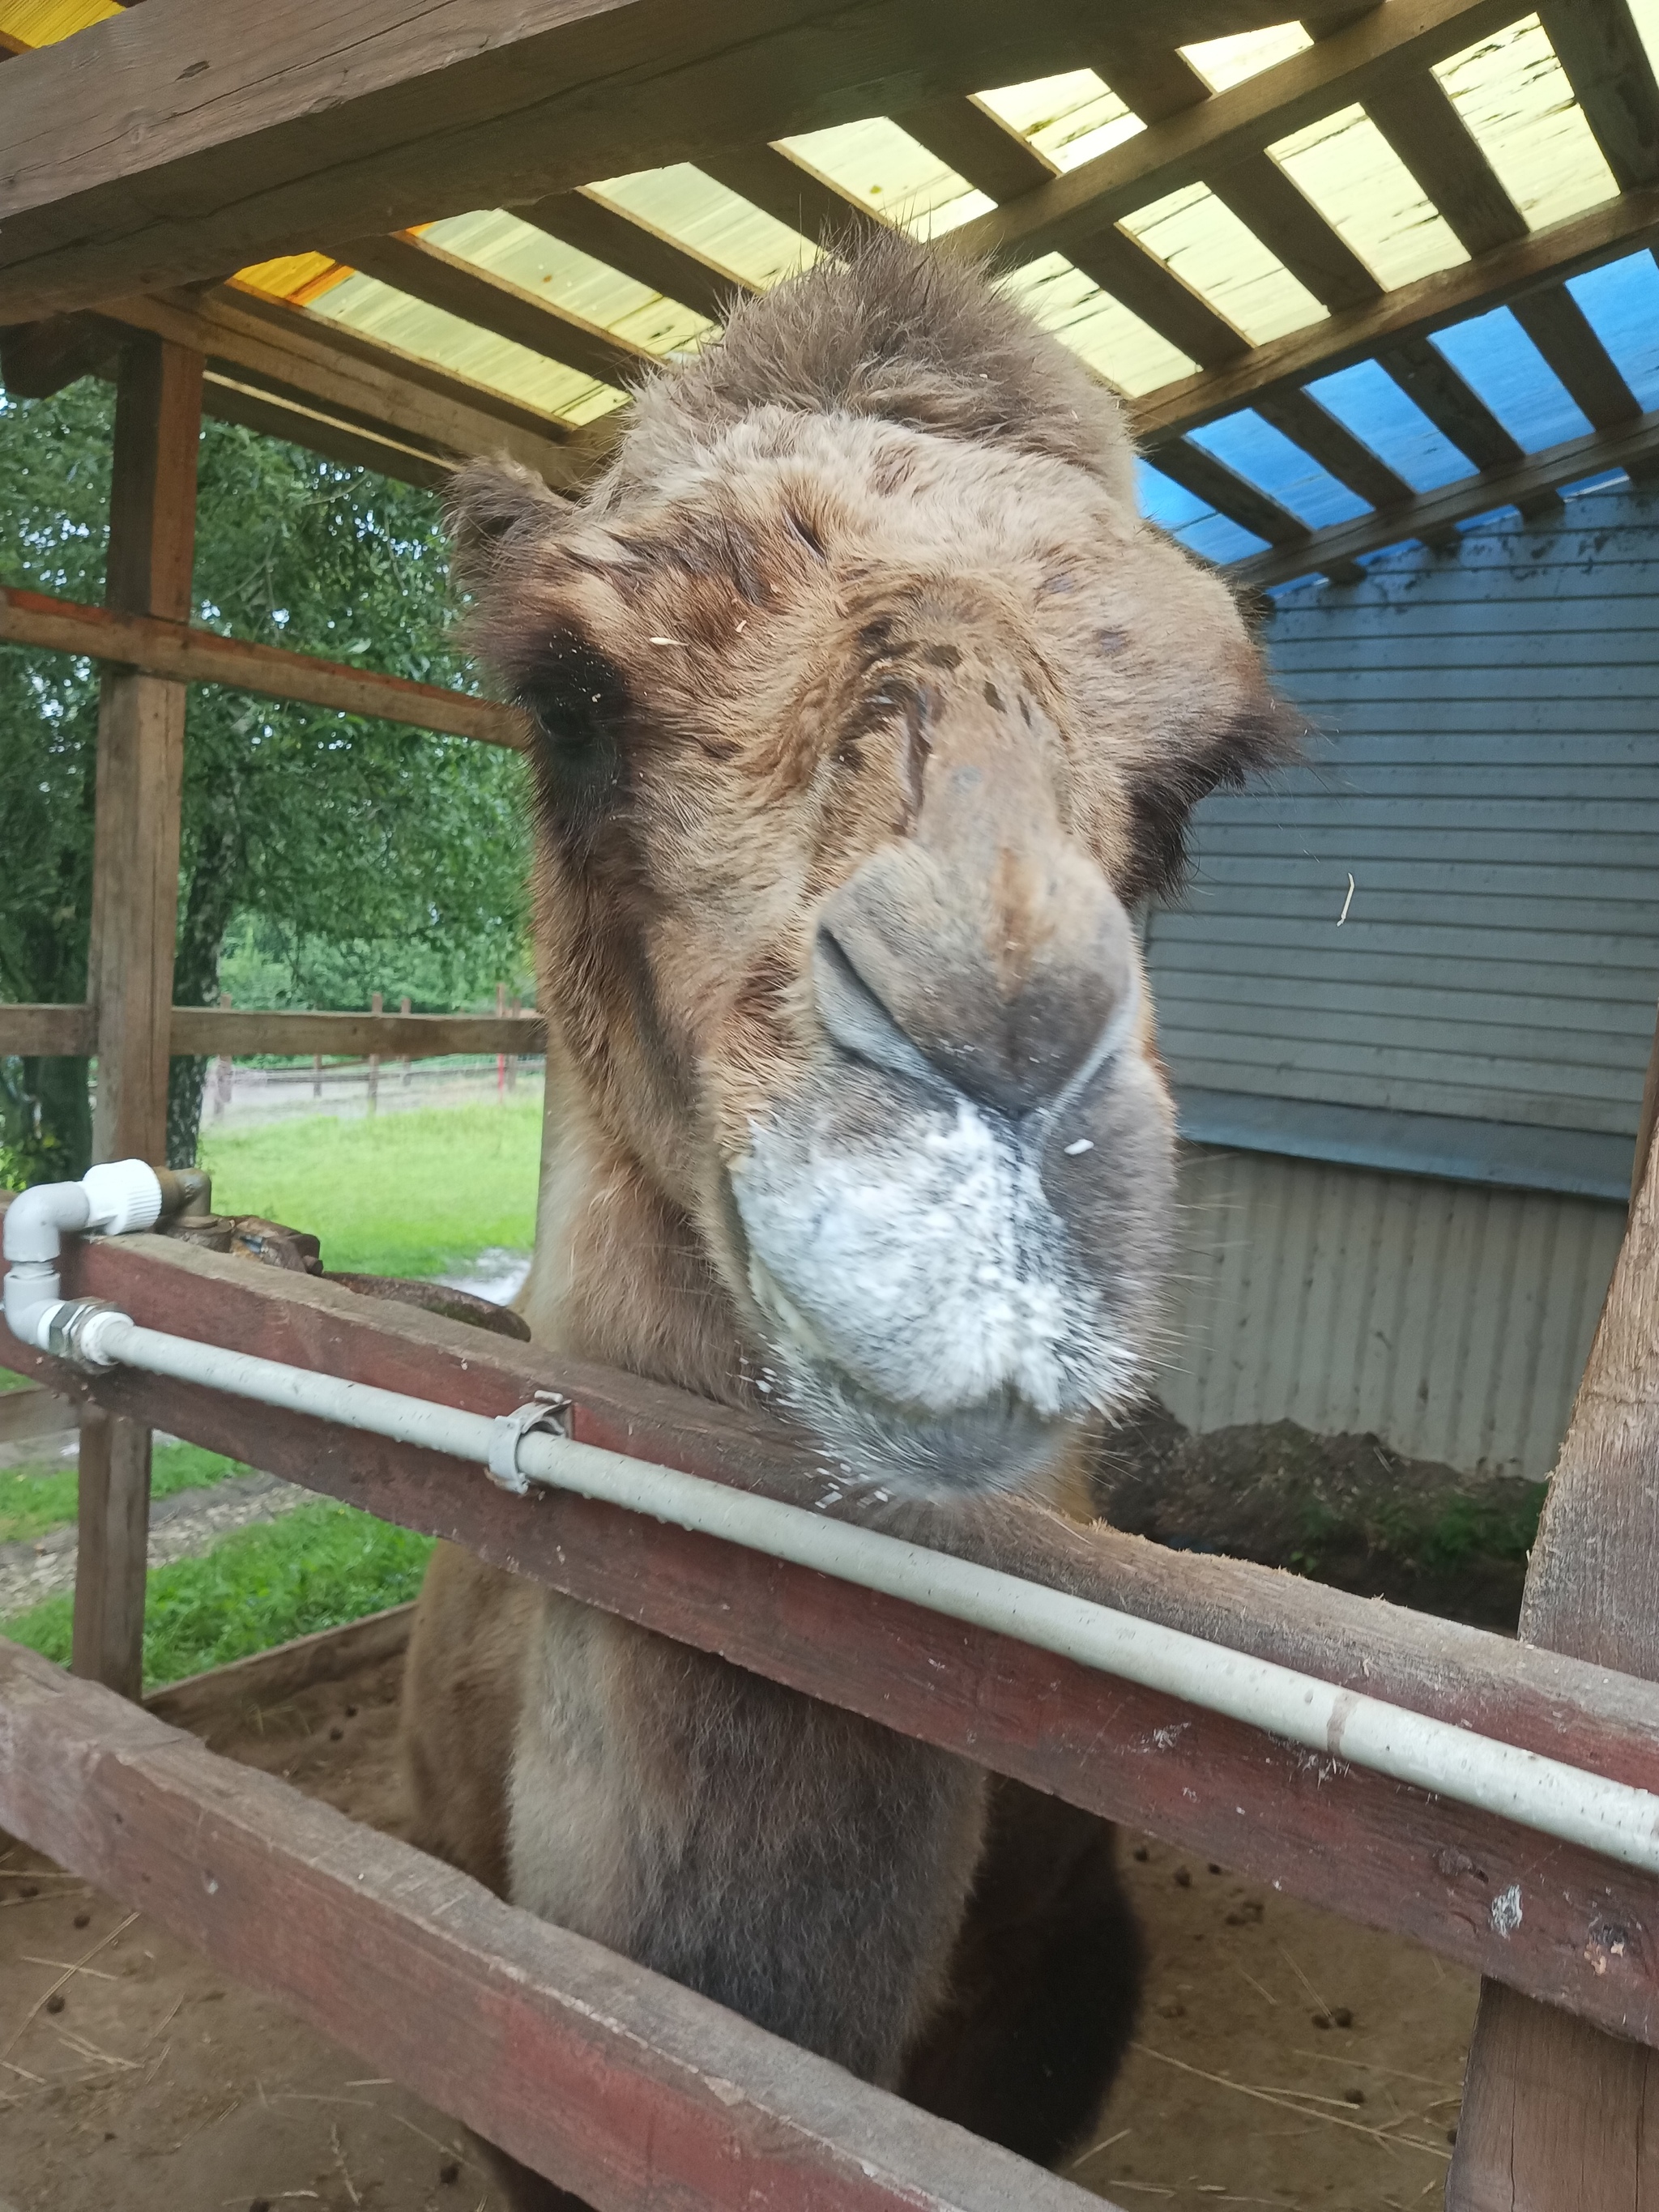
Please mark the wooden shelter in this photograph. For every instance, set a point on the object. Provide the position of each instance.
(400, 236)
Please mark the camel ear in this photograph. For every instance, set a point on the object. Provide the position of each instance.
(494, 508)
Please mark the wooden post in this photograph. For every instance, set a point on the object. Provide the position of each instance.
(501, 1057)
(135, 905)
(316, 1075)
(1556, 2113)
(512, 1057)
(375, 1005)
(223, 1072)
(409, 1065)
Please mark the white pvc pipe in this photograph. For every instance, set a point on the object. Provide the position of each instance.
(1543, 1794)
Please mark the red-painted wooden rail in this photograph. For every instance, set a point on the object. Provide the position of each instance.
(612, 2081)
(1587, 1936)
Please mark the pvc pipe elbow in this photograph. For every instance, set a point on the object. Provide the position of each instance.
(117, 1197)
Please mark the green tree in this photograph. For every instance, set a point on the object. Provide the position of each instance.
(351, 854)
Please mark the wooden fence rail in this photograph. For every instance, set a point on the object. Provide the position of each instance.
(72, 1032)
(1588, 1932)
(612, 2079)
(184, 655)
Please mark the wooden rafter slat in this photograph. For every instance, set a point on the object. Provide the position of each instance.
(1564, 335)
(1274, 207)
(462, 288)
(173, 651)
(791, 191)
(1229, 493)
(1425, 129)
(164, 146)
(1383, 47)
(1301, 418)
(1437, 512)
(1545, 257)
(981, 147)
(969, 138)
(1158, 82)
(637, 249)
(1457, 411)
(1606, 63)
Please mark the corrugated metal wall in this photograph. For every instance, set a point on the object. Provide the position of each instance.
(1489, 775)
(1450, 1319)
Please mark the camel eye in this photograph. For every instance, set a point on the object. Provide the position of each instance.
(578, 702)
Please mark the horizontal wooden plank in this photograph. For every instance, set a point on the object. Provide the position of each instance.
(49, 1032)
(1352, 843)
(1480, 951)
(185, 655)
(163, 149)
(317, 432)
(1607, 1031)
(617, 2083)
(26, 1415)
(1334, 1836)
(266, 1678)
(394, 1036)
(1356, 1052)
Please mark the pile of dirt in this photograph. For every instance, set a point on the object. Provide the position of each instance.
(1346, 1511)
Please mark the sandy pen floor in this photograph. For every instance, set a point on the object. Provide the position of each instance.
(1284, 2058)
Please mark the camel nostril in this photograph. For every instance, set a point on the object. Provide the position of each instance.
(859, 1019)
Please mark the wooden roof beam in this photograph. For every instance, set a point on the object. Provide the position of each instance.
(1536, 263)
(357, 383)
(1563, 334)
(1390, 44)
(1229, 494)
(792, 191)
(637, 249)
(1534, 479)
(1299, 416)
(462, 288)
(1420, 123)
(167, 145)
(1597, 44)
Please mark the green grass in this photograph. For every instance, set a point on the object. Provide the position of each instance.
(403, 1195)
(35, 1498)
(318, 1567)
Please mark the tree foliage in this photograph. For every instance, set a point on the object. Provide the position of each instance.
(348, 855)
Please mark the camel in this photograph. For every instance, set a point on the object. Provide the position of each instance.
(866, 712)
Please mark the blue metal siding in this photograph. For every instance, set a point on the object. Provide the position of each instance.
(1487, 771)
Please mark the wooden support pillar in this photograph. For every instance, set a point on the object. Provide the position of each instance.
(1556, 2115)
(135, 910)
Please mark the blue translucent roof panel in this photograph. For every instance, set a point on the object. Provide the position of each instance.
(1622, 303)
(1367, 398)
(1268, 459)
(1501, 365)
(1162, 500)
(1198, 527)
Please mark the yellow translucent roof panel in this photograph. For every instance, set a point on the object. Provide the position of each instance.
(1513, 94)
(1070, 119)
(1110, 337)
(1222, 257)
(892, 173)
(571, 280)
(1222, 61)
(1365, 191)
(43, 23)
(299, 278)
(701, 214)
(362, 304)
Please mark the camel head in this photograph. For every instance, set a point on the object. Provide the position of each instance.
(866, 713)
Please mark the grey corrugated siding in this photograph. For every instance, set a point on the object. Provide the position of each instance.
(1488, 772)
(1449, 1320)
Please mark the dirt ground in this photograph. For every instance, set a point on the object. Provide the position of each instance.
(1284, 2058)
